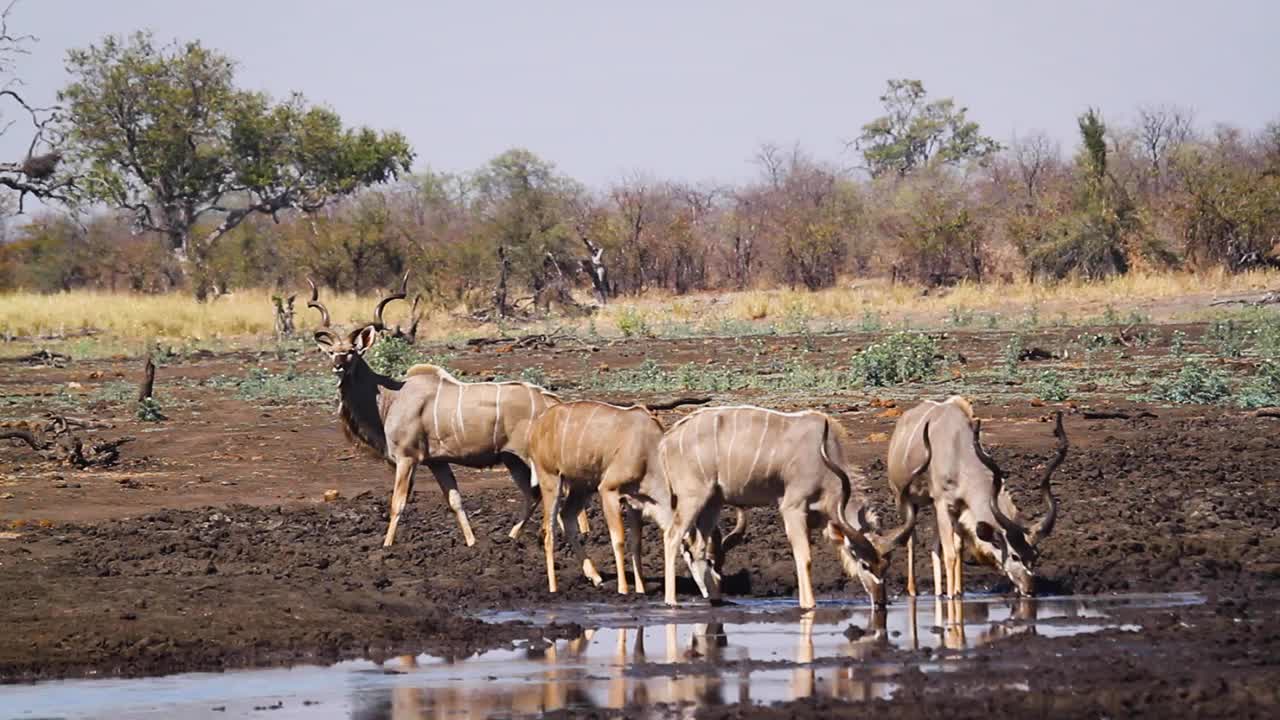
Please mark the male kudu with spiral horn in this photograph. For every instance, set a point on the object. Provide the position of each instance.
(430, 418)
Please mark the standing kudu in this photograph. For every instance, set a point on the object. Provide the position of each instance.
(968, 493)
(754, 457)
(577, 448)
(430, 418)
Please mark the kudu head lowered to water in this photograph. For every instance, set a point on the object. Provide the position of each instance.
(1017, 541)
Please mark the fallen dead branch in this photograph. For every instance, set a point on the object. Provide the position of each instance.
(1035, 353)
(677, 402)
(527, 342)
(1266, 412)
(44, 357)
(55, 439)
(1114, 415)
(1271, 297)
(82, 332)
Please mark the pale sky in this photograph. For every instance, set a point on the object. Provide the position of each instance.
(688, 90)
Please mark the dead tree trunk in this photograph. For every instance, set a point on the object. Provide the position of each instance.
(594, 265)
(148, 380)
(283, 315)
(500, 305)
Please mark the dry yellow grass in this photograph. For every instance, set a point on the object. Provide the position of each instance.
(247, 314)
(1163, 296)
(177, 316)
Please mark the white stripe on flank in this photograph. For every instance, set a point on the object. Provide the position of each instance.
(564, 434)
(702, 469)
(906, 447)
(533, 411)
(497, 415)
(733, 436)
(768, 466)
(759, 446)
(435, 419)
(462, 425)
(594, 409)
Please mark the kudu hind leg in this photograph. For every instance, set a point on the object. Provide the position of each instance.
(522, 476)
(405, 468)
(449, 486)
(634, 518)
(570, 506)
(702, 549)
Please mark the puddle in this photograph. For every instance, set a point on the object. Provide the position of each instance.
(634, 656)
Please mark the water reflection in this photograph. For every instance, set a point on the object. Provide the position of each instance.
(699, 664)
(639, 656)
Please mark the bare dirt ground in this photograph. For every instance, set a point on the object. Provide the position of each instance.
(210, 545)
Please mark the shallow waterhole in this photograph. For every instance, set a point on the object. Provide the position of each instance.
(755, 651)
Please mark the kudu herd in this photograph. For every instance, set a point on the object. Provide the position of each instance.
(681, 477)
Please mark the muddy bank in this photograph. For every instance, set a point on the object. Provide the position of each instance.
(250, 585)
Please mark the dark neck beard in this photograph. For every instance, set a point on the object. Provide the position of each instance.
(358, 394)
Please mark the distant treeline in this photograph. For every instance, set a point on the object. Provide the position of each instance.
(930, 201)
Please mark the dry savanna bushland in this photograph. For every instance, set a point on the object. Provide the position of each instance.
(188, 483)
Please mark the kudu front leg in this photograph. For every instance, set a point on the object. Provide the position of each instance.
(405, 469)
(795, 520)
(550, 490)
(611, 506)
(449, 486)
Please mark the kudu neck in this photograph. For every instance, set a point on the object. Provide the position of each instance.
(364, 396)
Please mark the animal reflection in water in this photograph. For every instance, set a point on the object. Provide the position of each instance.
(621, 667)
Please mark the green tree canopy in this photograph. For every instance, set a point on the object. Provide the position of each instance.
(914, 133)
(523, 209)
(162, 131)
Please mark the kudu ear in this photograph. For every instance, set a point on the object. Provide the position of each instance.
(985, 532)
(637, 501)
(363, 338)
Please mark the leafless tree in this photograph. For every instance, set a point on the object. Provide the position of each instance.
(1035, 156)
(1161, 128)
(37, 173)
